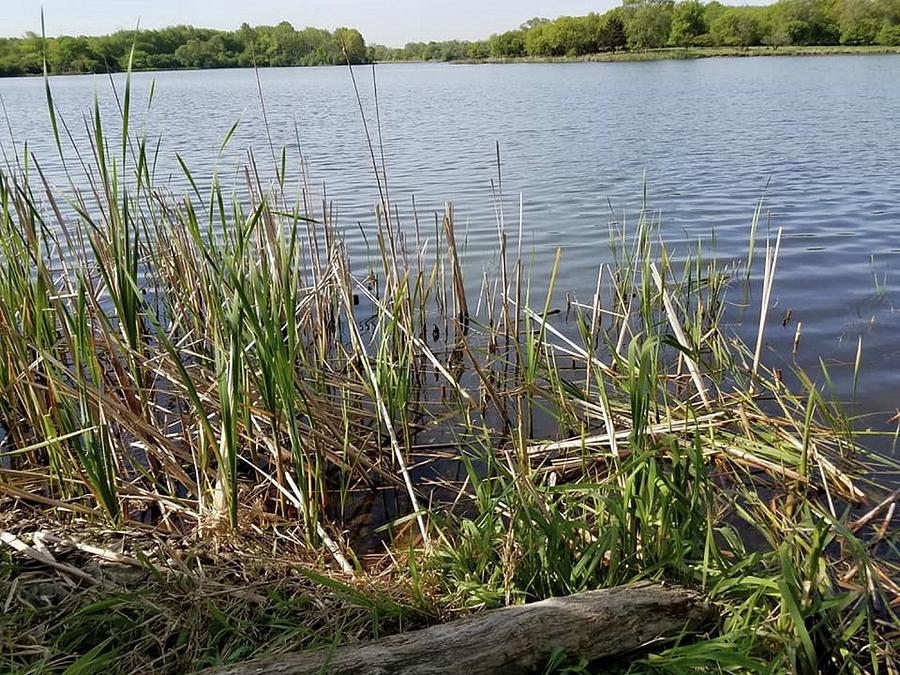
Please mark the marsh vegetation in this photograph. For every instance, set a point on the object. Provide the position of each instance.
(207, 390)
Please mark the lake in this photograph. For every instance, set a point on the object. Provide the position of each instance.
(818, 136)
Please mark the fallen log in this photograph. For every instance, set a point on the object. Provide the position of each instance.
(593, 625)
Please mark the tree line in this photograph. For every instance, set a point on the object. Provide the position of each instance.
(652, 24)
(635, 25)
(182, 47)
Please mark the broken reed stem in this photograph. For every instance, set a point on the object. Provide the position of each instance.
(696, 376)
(867, 518)
(44, 558)
(459, 287)
(768, 282)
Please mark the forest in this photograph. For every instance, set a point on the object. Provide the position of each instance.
(182, 47)
(636, 25)
(639, 25)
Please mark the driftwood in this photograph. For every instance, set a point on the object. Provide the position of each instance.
(593, 625)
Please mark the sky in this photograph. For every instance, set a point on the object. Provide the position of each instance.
(390, 22)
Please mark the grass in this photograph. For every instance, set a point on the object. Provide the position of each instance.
(182, 607)
(195, 384)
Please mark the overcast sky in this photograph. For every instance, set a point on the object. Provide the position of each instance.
(391, 22)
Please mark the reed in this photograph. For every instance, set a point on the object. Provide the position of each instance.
(215, 366)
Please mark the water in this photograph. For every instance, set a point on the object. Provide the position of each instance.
(710, 135)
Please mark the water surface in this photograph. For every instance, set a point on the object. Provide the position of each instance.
(817, 135)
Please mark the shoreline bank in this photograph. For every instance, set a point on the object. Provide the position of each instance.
(664, 54)
(688, 53)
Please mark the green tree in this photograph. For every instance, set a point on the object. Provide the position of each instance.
(612, 34)
(888, 11)
(480, 49)
(199, 53)
(738, 27)
(573, 36)
(533, 22)
(889, 36)
(647, 23)
(805, 22)
(540, 40)
(688, 23)
(858, 21)
(510, 44)
(351, 43)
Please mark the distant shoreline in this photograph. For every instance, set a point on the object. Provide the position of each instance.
(663, 54)
(690, 53)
